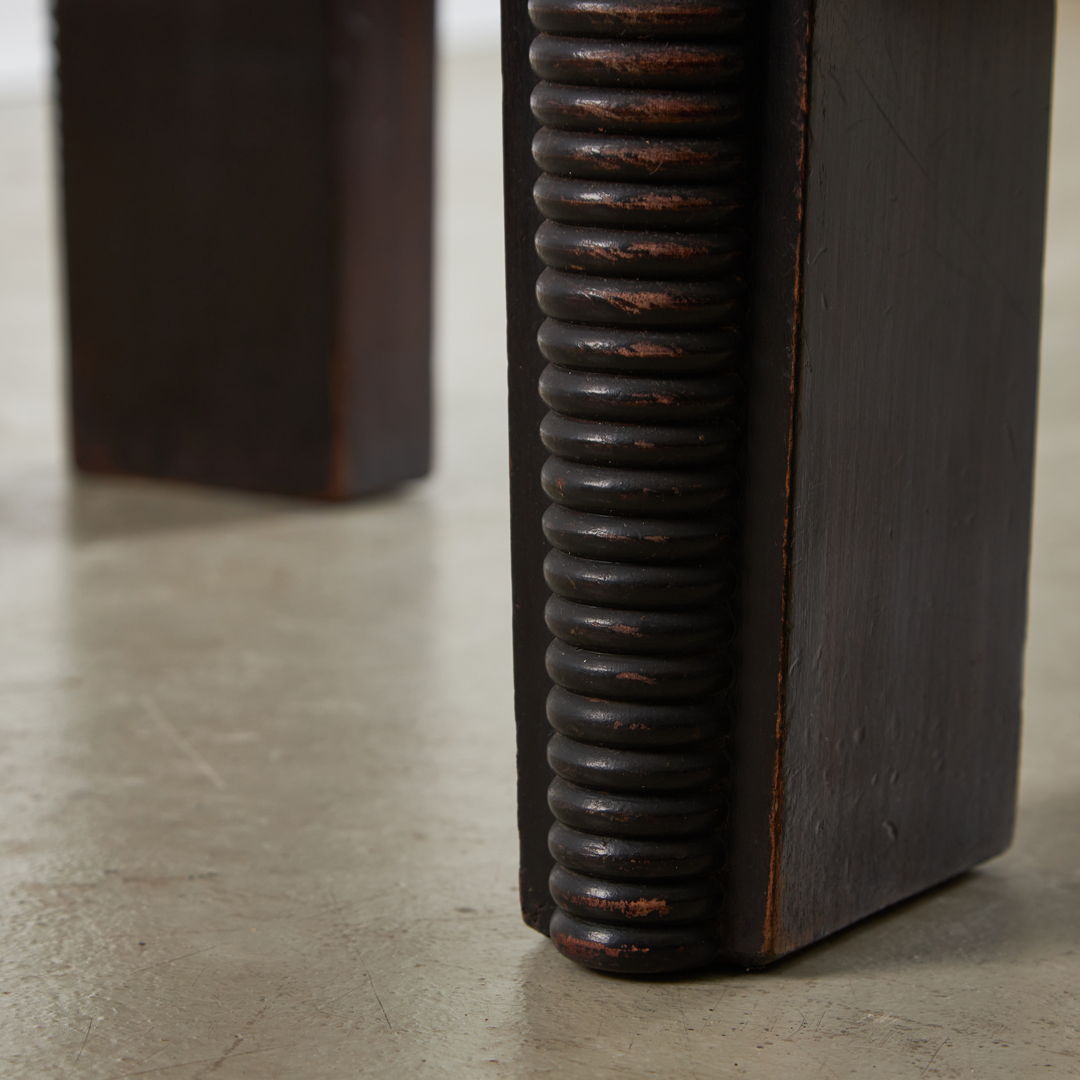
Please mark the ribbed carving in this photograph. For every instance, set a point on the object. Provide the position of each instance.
(646, 191)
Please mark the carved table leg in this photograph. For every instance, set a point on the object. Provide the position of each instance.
(768, 709)
(247, 196)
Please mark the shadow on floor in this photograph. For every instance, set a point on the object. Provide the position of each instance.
(97, 508)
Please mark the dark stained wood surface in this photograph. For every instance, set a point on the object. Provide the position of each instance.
(913, 462)
(247, 193)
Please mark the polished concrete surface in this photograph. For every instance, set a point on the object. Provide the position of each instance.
(256, 759)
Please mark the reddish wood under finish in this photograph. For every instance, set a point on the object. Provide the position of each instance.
(247, 194)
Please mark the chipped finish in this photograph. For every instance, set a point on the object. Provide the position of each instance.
(634, 111)
(640, 205)
(653, 254)
(624, 950)
(645, 295)
(578, 61)
(640, 18)
(603, 156)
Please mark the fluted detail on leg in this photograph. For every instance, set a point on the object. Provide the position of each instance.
(646, 190)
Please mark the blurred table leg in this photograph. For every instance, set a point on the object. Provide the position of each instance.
(247, 198)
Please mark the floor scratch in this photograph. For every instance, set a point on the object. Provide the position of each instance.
(172, 959)
(222, 1058)
(169, 730)
(933, 1058)
(188, 1064)
(378, 999)
(84, 1041)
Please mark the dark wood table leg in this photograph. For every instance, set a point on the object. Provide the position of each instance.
(771, 495)
(247, 204)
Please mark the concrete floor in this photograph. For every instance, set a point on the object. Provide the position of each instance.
(256, 799)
